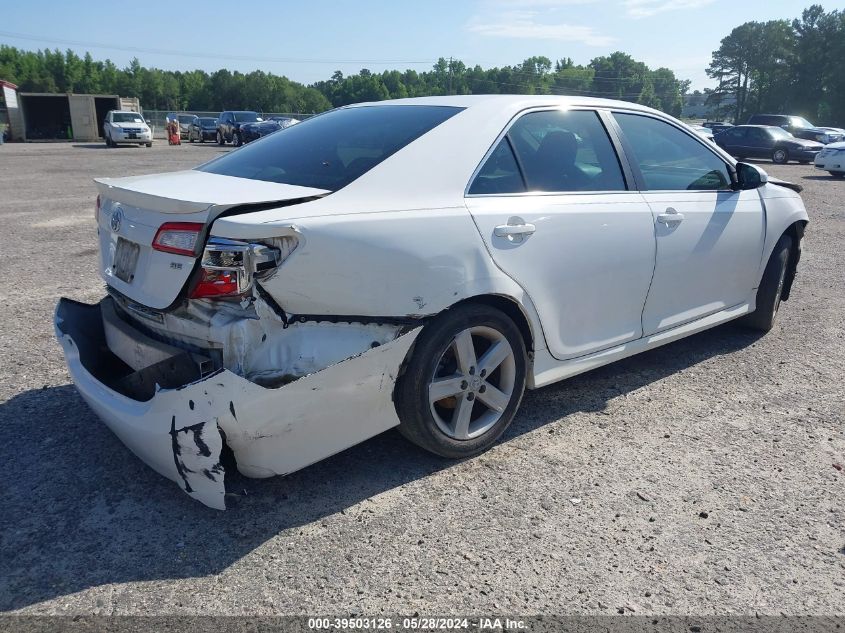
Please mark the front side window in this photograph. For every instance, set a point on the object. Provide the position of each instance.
(669, 159)
(331, 150)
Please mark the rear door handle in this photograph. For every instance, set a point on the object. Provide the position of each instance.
(670, 218)
(515, 230)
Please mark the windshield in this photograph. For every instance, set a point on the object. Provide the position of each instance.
(126, 117)
(246, 117)
(331, 150)
(206, 122)
(779, 133)
(800, 122)
(186, 118)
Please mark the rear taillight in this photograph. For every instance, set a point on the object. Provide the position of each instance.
(179, 238)
(97, 210)
(228, 267)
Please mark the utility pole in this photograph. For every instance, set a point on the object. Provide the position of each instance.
(450, 76)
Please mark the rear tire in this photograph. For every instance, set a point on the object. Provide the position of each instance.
(771, 287)
(220, 139)
(473, 357)
(780, 156)
(837, 174)
(149, 144)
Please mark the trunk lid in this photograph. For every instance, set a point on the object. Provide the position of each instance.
(132, 210)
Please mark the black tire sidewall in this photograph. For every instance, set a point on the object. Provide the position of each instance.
(771, 286)
(411, 396)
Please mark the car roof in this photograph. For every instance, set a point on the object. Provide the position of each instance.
(517, 102)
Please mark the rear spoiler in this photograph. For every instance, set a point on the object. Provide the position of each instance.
(783, 183)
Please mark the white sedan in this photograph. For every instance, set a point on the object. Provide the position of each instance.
(703, 132)
(126, 127)
(415, 263)
(832, 159)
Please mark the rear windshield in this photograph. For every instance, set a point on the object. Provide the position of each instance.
(331, 150)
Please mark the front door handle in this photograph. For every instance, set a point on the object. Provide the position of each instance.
(670, 218)
(515, 230)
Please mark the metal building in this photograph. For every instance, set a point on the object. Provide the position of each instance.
(77, 117)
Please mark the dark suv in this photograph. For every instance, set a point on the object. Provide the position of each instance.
(799, 127)
(229, 125)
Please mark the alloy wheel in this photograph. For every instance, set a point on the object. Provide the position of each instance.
(473, 383)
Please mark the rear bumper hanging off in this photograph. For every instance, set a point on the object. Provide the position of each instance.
(179, 429)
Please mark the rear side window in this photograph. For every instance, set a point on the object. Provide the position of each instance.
(499, 174)
(669, 159)
(565, 151)
(331, 150)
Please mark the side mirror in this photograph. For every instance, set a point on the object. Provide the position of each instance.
(750, 177)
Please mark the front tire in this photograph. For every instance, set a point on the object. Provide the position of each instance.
(780, 156)
(463, 383)
(220, 139)
(771, 287)
(236, 139)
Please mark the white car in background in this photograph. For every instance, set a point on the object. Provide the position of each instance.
(415, 264)
(832, 159)
(703, 132)
(126, 127)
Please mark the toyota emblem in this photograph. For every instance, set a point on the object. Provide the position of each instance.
(116, 219)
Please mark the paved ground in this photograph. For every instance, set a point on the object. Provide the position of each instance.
(698, 478)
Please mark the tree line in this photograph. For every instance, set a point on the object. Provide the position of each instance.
(782, 66)
(617, 76)
(776, 66)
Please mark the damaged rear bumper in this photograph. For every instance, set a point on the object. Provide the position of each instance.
(180, 430)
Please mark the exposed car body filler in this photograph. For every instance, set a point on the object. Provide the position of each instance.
(272, 431)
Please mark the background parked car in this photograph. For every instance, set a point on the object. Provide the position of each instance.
(703, 132)
(767, 141)
(717, 126)
(185, 121)
(202, 129)
(251, 131)
(832, 159)
(126, 127)
(799, 127)
(229, 125)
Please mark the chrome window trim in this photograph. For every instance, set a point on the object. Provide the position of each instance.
(621, 158)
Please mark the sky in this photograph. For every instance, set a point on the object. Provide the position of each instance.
(308, 41)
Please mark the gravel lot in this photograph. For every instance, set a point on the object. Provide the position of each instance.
(699, 478)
